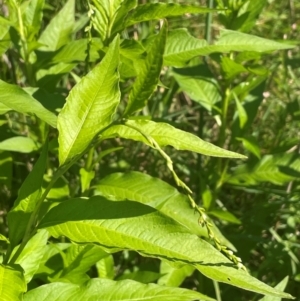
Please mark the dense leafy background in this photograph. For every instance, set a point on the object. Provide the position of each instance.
(240, 96)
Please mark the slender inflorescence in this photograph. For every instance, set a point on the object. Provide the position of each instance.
(203, 219)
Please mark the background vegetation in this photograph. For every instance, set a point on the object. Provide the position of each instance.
(244, 101)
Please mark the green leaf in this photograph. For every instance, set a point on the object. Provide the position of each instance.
(109, 290)
(31, 256)
(137, 186)
(277, 169)
(231, 68)
(33, 17)
(28, 196)
(140, 276)
(243, 117)
(133, 56)
(236, 41)
(90, 106)
(79, 260)
(17, 99)
(5, 22)
(254, 8)
(142, 188)
(148, 75)
(3, 238)
(12, 283)
(182, 47)
(105, 267)
(121, 14)
(165, 134)
(104, 14)
(4, 109)
(244, 88)
(51, 101)
(224, 215)
(174, 276)
(250, 144)
(134, 226)
(52, 261)
(59, 30)
(48, 78)
(73, 52)
(280, 286)
(85, 178)
(60, 190)
(133, 49)
(198, 84)
(156, 11)
(19, 144)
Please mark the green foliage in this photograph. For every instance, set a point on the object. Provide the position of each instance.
(112, 291)
(13, 284)
(15, 98)
(90, 106)
(97, 95)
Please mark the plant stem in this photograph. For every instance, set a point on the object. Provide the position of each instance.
(28, 67)
(89, 161)
(222, 138)
(210, 4)
(225, 104)
(217, 290)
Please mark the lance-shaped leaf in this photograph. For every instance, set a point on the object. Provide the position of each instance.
(276, 169)
(28, 196)
(174, 276)
(17, 99)
(32, 255)
(198, 83)
(58, 31)
(230, 40)
(250, 16)
(140, 187)
(75, 51)
(243, 117)
(90, 106)
(182, 47)
(12, 282)
(106, 268)
(135, 226)
(19, 144)
(109, 290)
(33, 17)
(79, 259)
(156, 11)
(104, 14)
(280, 286)
(121, 14)
(48, 78)
(165, 134)
(148, 76)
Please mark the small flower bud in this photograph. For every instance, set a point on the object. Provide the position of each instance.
(229, 252)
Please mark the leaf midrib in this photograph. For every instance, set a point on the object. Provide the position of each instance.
(85, 116)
